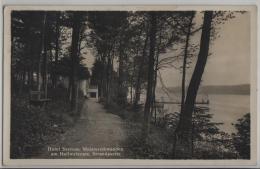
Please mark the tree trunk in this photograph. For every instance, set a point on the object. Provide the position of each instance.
(183, 134)
(185, 61)
(122, 88)
(139, 75)
(74, 60)
(148, 103)
(155, 77)
(29, 42)
(45, 59)
(101, 92)
(56, 48)
(22, 81)
(131, 89)
(41, 53)
(109, 74)
(32, 65)
(108, 78)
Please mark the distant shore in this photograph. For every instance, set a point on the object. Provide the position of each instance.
(242, 89)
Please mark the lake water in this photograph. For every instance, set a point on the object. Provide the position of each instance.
(228, 108)
(225, 108)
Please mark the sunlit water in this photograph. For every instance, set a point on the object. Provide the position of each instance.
(226, 109)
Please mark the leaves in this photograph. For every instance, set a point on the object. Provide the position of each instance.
(241, 139)
(33, 127)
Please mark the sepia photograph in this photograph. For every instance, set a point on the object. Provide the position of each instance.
(130, 84)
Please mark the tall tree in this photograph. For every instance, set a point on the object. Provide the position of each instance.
(42, 51)
(183, 133)
(57, 31)
(76, 24)
(148, 103)
(45, 56)
(188, 34)
(139, 73)
(123, 44)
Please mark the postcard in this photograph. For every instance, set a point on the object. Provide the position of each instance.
(130, 85)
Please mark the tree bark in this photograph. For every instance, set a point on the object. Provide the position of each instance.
(185, 61)
(109, 73)
(108, 78)
(45, 59)
(41, 53)
(101, 92)
(74, 59)
(155, 76)
(139, 75)
(122, 90)
(56, 48)
(183, 134)
(148, 103)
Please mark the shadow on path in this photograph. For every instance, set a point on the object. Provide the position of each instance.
(96, 134)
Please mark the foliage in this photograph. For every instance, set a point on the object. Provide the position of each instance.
(33, 127)
(29, 127)
(97, 70)
(129, 50)
(158, 145)
(209, 142)
(241, 139)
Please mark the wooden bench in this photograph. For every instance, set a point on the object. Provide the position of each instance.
(37, 98)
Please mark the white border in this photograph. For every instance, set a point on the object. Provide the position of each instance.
(197, 163)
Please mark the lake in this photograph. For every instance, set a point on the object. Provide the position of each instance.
(228, 108)
(225, 108)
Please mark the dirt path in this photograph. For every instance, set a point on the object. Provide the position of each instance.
(98, 132)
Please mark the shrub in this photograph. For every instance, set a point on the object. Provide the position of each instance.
(34, 127)
(29, 127)
(241, 139)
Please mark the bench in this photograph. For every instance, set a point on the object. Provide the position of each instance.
(37, 98)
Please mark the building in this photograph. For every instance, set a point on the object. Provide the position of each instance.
(84, 87)
(92, 92)
(88, 90)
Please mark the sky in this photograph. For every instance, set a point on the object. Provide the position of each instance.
(229, 62)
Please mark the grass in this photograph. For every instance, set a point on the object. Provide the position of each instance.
(158, 145)
(34, 127)
(160, 141)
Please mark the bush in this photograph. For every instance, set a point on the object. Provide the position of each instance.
(29, 127)
(158, 145)
(241, 139)
(33, 127)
